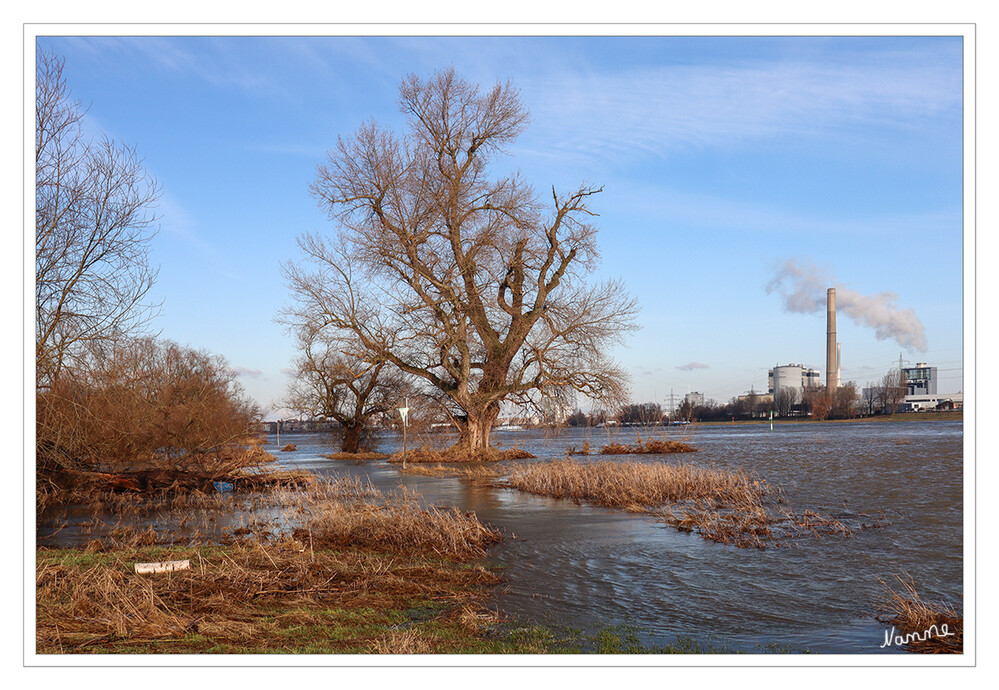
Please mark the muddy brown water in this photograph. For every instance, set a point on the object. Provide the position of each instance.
(586, 568)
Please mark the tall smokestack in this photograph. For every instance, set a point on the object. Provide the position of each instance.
(832, 348)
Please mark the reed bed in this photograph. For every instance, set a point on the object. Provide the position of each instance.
(651, 446)
(248, 467)
(457, 454)
(468, 471)
(396, 524)
(923, 621)
(635, 485)
(730, 507)
(333, 512)
(356, 457)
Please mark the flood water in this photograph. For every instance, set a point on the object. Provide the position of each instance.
(588, 568)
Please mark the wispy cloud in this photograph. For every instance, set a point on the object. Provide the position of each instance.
(221, 62)
(679, 107)
(246, 372)
(692, 365)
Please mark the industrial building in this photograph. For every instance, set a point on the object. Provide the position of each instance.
(920, 379)
(694, 398)
(793, 376)
(918, 403)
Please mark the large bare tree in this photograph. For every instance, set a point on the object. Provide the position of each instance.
(93, 225)
(473, 285)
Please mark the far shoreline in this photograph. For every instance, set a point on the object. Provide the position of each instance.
(949, 416)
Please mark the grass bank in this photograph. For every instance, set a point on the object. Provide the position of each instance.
(258, 597)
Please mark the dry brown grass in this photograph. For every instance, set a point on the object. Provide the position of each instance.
(467, 471)
(635, 485)
(730, 507)
(356, 457)
(651, 446)
(338, 547)
(397, 523)
(907, 612)
(332, 512)
(250, 596)
(403, 642)
(289, 448)
(457, 454)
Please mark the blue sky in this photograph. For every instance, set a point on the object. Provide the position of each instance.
(721, 159)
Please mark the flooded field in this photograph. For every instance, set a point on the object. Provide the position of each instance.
(585, 567)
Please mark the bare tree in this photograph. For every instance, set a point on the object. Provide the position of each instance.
(93, 225)
(333, 381)
(844, 403)
(685, 411)
(644, 414)
(892, 391)
(467, 283)
(784, 401)
(871, 395)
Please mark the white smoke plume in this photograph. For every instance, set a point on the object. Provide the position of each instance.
(803, 286)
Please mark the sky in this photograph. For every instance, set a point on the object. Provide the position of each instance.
(742, 176)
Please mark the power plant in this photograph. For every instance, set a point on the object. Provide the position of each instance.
(799, 378)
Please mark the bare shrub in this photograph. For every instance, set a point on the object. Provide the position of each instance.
(146, 404)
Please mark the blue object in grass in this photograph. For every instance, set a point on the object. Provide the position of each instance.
(223, 487)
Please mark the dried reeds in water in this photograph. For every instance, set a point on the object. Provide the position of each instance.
(924, 627)
(458, 454)
(468, 471)
(727, 506)
(634, 484)
(651, 446)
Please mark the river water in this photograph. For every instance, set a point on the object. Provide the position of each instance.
(587, 567)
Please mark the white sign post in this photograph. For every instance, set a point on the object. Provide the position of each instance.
(404, 413)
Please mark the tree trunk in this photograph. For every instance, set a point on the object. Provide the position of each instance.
(473, 435)
(351, 438)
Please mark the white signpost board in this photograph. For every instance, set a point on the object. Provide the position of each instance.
(404, 413)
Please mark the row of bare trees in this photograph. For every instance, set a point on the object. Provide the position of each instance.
(473, 288)
(887, 395)
(108, 396)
